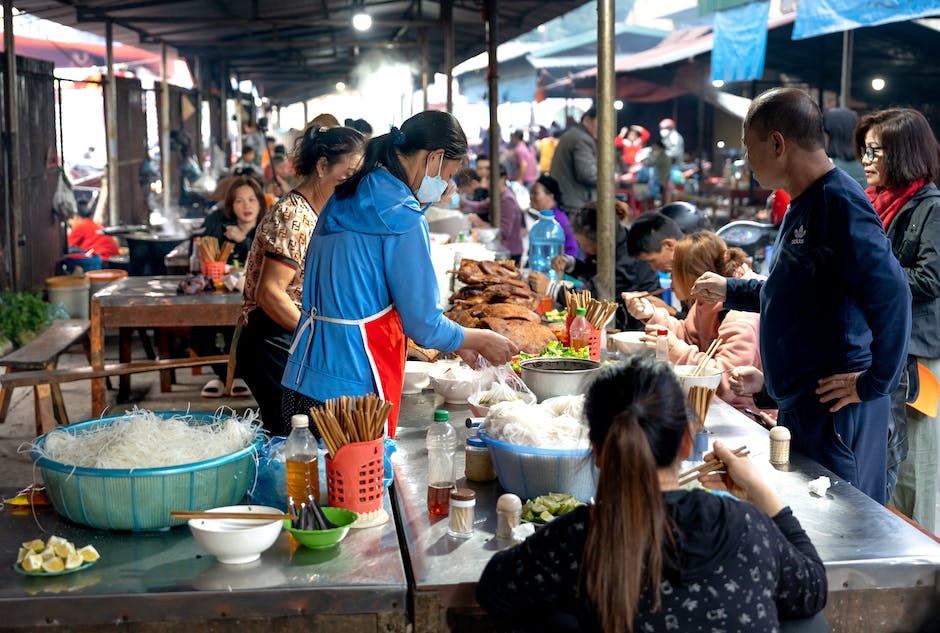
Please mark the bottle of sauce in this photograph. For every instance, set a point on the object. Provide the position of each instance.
(662, 345)
(442, 448)
(579, 334)
(303, 476)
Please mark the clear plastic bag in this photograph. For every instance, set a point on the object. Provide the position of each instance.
(271, 487)
(499, 383)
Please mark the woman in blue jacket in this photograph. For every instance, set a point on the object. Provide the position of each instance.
(369, 284)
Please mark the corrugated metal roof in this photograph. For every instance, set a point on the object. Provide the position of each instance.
(296, 49)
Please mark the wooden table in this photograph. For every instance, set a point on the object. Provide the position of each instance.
(140, 302)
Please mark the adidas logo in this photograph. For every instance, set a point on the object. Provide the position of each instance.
(798, 235)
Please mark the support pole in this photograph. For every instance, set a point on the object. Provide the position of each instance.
(200, 148)
(165, 128)
(845, 86)
(425, 70)
(606, 217)
(223, 114)
(17, 241)
(110, 126)
(492, 41)
(306, 114)
(447, 14)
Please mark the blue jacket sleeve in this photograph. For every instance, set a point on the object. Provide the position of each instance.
(413, 289)
(744, 294)
(881, 292)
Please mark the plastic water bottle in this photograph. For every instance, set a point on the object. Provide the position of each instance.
(579, 334)
(195, 260)
(546, 240)
(662, 345)
(442, 449)
(300, 450)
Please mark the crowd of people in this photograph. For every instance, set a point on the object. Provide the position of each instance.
(829, 344)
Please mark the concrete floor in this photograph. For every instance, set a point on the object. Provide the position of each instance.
(18, 429)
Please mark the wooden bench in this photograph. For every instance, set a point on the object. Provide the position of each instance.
(42, 354)
(47, 381)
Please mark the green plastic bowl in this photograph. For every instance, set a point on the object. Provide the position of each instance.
(320, 539)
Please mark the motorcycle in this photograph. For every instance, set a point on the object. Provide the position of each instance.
(754, 238)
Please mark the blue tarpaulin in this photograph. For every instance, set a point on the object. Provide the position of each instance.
(819, 17)
(740, 43)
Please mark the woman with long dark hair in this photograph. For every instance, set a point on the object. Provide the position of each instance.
(369, 282)
(901, 158)
(649, 556)
(274, 274)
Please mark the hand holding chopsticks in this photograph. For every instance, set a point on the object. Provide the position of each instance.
(741, 477)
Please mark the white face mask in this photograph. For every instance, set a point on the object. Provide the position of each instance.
(432, 187)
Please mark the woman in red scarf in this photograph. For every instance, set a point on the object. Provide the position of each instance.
(901, 158)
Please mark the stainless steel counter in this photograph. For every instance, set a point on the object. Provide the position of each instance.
(165, 575)
(864, 545)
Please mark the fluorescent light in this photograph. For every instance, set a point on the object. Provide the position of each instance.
(878, 84)
(718, 83)
(362, 21)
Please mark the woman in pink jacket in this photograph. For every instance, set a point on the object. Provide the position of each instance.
(695, 254)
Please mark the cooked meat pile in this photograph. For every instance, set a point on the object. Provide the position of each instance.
(496, 297)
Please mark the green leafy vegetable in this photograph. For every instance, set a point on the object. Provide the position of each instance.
(553, 349)
(22, 316)
(546, 508)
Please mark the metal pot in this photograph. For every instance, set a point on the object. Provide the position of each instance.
(549, 377)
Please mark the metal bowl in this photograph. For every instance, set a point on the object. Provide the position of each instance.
(549, 377)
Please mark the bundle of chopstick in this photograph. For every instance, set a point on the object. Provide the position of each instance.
(709, 467)
(210, 251)
(597, 313)
(348, 419)
(699, 399)
(700, 368)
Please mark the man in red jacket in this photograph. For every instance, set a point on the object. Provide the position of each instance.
(84, 235)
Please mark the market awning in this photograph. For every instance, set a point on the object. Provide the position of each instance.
(294, 49)
(82, 54)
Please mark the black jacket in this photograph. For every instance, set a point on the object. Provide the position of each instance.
(215, 226)
(915, 239)
(736, 569)
(630, 274)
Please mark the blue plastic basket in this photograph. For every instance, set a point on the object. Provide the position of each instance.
(142, 498)
(529, 472)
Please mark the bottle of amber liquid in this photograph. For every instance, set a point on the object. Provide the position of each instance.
(579, 334)
(303, 476)
(442, 449)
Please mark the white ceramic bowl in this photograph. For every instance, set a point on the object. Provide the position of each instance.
(456, 385)
(629, 343)
(237, 541)
(710, 379)
(416, 376)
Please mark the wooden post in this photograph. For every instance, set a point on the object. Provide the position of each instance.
(492, 41)
(845, 85)
(14, 210)
(165, 129)
(606, 217)
(447, 15)
(110, 126)
(425, 70)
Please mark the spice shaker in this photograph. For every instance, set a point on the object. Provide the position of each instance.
(779, 445)
(508, 515)
(462, 502)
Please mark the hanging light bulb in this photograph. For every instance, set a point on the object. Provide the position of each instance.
(362, 21)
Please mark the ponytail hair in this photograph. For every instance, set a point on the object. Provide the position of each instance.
(637, 418)
(428, 130)
(331, 143)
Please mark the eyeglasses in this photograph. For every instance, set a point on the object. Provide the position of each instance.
(872, 151)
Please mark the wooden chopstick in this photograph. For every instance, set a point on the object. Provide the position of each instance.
(653, 293)
(709, 467)
(700, 368)
(251, 516)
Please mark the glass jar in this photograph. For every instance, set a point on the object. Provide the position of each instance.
(478, 464)
(462, 502)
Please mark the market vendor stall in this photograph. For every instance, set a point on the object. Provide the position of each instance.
(164, 578)
(882, 571)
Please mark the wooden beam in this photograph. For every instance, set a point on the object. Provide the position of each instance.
(74, 374)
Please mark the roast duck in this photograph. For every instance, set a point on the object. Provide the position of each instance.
(496, 297)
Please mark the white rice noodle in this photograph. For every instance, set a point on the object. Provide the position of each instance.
(142, 439)
(556, 423)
